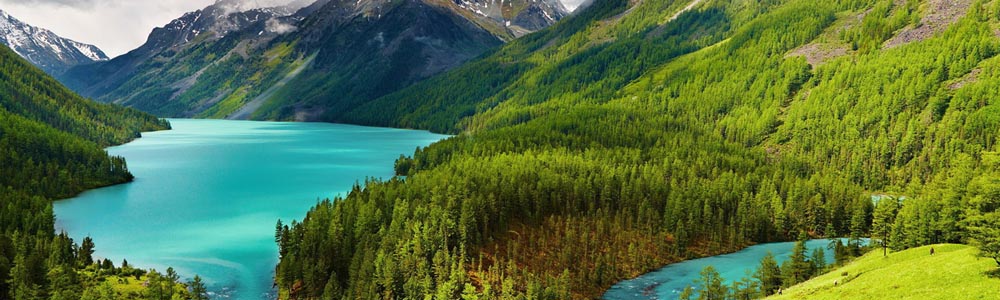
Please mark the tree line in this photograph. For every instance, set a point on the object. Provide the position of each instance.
(51, 148)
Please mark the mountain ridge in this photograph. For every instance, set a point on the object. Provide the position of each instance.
(45, 49)
(328, 57)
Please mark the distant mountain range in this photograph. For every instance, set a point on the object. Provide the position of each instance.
(48, 51)
(303, 62)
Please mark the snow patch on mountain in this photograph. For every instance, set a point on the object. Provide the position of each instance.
(45, 49)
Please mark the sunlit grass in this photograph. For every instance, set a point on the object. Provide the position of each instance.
(953, 272)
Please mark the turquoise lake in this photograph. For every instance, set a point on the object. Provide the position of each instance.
(208, 193)
(668, 282)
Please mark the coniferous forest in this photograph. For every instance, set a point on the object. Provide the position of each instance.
(626, 136)
(51, 144)
(631, 135)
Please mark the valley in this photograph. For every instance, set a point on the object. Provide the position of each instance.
(586, 148)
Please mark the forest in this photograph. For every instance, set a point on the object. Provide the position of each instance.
(624, 138)
(51, 147)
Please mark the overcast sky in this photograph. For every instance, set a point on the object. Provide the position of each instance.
(116, 26)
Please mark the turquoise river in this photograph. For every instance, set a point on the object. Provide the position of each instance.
(208, 193)
(668, 282)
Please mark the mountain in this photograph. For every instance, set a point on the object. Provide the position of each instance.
(303, 63)
(48, 51)
(633, 134)
(51, 147)
(186, 37)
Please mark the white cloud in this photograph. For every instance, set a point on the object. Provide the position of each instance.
(571, 5)
(273, 25)
(116, 26)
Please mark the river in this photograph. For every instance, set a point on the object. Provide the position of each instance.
(667, 283)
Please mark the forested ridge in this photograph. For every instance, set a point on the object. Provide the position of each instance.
(51, 144)
(621, 139)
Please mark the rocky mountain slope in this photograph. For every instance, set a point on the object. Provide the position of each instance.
(308, 63)
(50, 52)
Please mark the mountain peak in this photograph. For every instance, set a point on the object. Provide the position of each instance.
(344, 52)
(45, 49)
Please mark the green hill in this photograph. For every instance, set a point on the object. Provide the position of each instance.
(51, 147)
(953, 272)
(51, 138)
(638, 133)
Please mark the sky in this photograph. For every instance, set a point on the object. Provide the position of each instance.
(115, 26)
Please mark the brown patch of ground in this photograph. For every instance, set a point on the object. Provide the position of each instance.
(939, 15)
(817, 53)
(595, 254)
(828, 45)
(968, 78)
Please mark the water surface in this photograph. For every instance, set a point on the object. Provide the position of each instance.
(208, 193)
(668, 282)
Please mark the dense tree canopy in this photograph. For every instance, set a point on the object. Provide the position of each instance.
(50, 148)
(622, 139)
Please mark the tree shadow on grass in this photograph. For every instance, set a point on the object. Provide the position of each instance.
(995, 273)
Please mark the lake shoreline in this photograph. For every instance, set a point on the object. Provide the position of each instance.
(270, 170)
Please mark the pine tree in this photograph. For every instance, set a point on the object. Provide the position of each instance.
(768, 275)
(746, 288)
(882, 222)
(85, 252)
(712, 286)
(797, 268)
(686, 294)
(197, 289)
(858, 228)
(818, 260)
(984, 211)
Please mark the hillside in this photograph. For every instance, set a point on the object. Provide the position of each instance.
(636, 133)
(51, 144)
(953, 272)
(308, 64)
(49, 131)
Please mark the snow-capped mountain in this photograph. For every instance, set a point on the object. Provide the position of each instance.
(48, 51)
(310, 60)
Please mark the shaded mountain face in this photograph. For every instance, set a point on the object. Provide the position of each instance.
(303, 62)
(50, 52)
(193, 30)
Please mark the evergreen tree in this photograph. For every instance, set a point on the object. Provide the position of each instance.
(686, 294)
(85, 253)
(746, 288)
(883, 220)
(712, 286)
(984, 209)
(858, 228)
(769, 275)
(197, 289)
(818, 260)
(797, 268)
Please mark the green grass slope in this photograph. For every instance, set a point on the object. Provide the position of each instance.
(953, 272)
